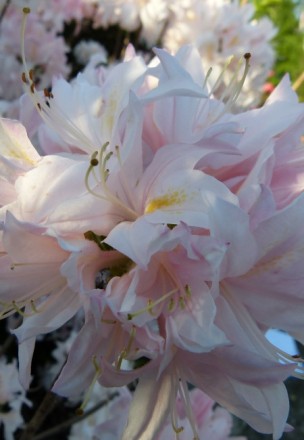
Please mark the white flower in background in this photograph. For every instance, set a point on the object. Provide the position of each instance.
(45, 53)
(108, 422)
(130, 15)
(84, 51)
(221, 29)
(12, 396)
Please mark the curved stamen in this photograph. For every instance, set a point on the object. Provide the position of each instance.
(125, 352)
(88, 394)
(151, 305)
(184, 394)
(107, 195)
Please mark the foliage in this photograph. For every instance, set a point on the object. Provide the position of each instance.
(289, 41)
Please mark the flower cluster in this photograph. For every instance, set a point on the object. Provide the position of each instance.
(173, 225)
(62, 37)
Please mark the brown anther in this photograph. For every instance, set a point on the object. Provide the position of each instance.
(39, 105)
(23, 77)
(31, 75)
(94, 162)
(247, 56)
(26, 10)
(46, 93)
(32, 87)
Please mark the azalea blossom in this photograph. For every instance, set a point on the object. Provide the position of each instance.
(160, 214)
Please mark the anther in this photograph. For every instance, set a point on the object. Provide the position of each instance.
(182, 303)
(178, 430)
(94, 162)
(34, 306)
(23, 77)
(32, 88)
(31, 74)
(26, 10)
(247, 56)
(187, 291)
(171, 304)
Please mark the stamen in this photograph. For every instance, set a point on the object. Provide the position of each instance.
(188, 291)
(234, 88)
(33, 306)
(98, 372)
(126, 350)
(26, 76)
(219, 79)
(184, 393)
(18, 310)
(23, 77)
(151, 305)
(181, 302)
(177, 429)
(104, 173)
(118, 154)
(94, 161)
(207, 77)
(239, 85)
(171, 305)
(55, 116)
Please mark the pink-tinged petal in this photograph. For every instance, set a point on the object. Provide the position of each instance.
(273, 289)
(26, 243)
(78, 372)
(149, 408)
(59, 198)
(174, 80)
(283, 92)
(264, 405)
(230, 225)
(55, 311)
(17, 154)
(192, 328)
(254, 140)
(131, 154)
(140, 240)
(31, 267)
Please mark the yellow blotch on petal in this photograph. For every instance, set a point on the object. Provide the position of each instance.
(15, 144)
(170, 199)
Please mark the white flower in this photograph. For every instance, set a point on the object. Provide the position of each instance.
(12, 396)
